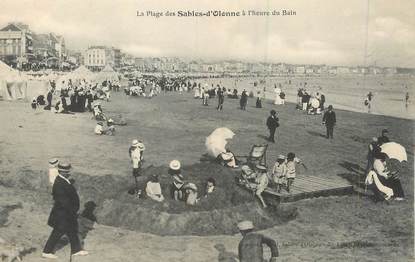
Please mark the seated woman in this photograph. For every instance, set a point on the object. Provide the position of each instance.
(377, 178)
(153, 189)
(191, 194)
(228, 158)
(279, 173)
(176, 188)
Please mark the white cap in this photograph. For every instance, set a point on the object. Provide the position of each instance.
(175, 165)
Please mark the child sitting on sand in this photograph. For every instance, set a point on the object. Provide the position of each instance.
(177, 190)
(279, 173)
(153, 189)
(290, 163)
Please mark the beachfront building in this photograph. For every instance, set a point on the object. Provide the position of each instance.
(49, 50)
(16, 44)
(300, 70)
(95, 58)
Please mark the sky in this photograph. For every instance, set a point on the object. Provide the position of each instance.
(333, 32)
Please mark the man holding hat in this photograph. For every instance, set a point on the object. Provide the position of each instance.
(64, 214)
(329, 119)
(250, 248)
(272, 124)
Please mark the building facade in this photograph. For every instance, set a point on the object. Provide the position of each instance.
(95, 58)
(16, 44)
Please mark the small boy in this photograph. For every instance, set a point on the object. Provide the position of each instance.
(279, 173)
(290, 163)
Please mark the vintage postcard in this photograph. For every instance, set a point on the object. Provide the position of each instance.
(231, 130)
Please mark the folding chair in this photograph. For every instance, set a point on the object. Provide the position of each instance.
(257, 156)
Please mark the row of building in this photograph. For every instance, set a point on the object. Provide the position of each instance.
(22, 48)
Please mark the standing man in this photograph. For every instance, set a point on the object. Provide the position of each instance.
(64, 214)
(49, 97)
(244, 100)
(136, 154)
(250, 248)
(221, 98)
(272, 124)
(329, 119)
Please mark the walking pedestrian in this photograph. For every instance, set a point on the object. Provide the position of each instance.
(272, 124)
(64, 214)
(329, 119)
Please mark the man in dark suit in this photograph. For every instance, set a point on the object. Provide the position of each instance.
(64, 214)
(329, 119)
(272, 124)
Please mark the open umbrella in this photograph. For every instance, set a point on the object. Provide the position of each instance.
(394, 151)
(217, 140)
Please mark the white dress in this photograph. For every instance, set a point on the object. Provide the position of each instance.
(277, 92)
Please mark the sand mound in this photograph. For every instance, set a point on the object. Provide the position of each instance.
(217, 214)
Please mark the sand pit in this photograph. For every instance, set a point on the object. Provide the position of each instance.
(217, 214)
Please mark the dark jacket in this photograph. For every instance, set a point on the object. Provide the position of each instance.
(64, 212)
(250, 248)
(329, 118)
(272, 122)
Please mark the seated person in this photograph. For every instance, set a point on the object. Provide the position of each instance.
(191, 194)
(177, 190)
(228, 158)
(99, 130)
(279, 173)
(41, 100)
(34, 103)
(210, 186)
(110, 128)
(153, 189)
(261, 183)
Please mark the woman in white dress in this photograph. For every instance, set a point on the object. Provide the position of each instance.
(277, 92)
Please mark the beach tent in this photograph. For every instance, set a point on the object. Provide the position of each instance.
(13, 84)
(78, 74)
(107, 74)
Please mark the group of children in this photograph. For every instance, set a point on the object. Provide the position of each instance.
(282, 176)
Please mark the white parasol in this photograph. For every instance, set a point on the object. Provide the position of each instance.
(216, 142)
(394, 151)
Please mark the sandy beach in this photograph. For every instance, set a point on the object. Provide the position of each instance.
(173, 126)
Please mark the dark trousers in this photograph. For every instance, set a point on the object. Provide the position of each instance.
(329, 131)
(56, 235)
(271, 134)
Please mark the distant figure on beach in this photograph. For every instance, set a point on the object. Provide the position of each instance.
(406, 99)
(277, 91)
(383, 137)
(244, 100)
(258, 100)
(329, 119)
(272, 124)
(136, 151)
(368, 101)
(221, 99)
(250, 248)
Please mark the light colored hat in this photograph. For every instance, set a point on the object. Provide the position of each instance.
(281, 157)
(135, 143)
(53, 161)
(245, 225)
(175, 165)
(110, 120)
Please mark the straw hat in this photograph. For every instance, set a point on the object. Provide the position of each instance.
(137, 143)
(245, 225)
(110, 120)
(281, 157)
(53, 161)
(64, 167)
(175, 165)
